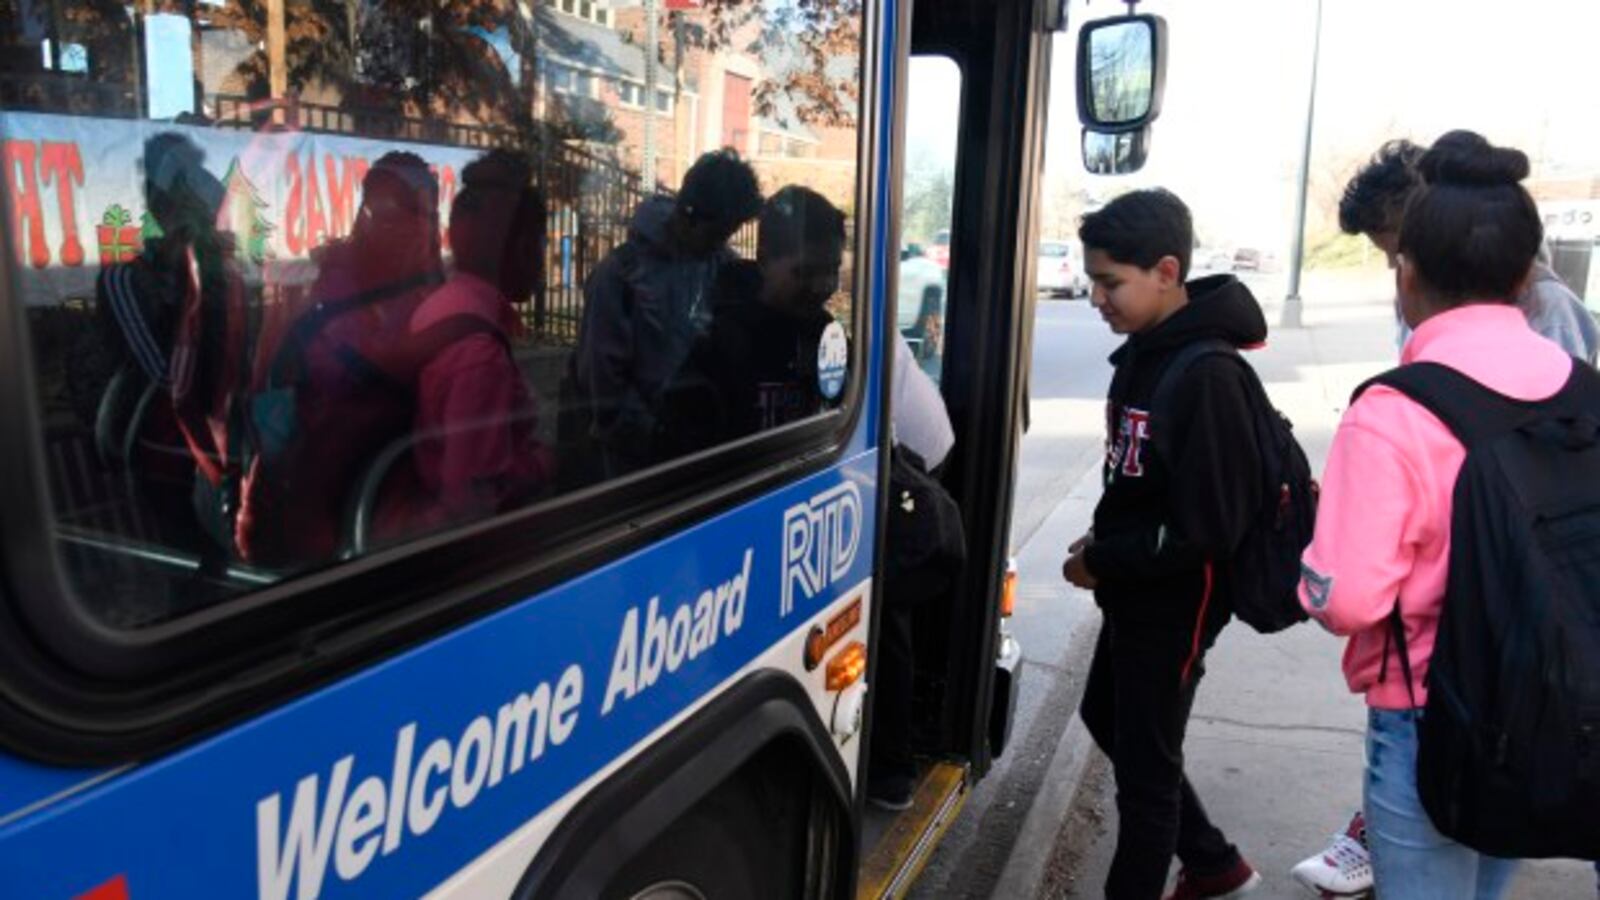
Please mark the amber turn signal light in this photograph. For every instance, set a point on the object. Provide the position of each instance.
(847, 666)
(1008, 592)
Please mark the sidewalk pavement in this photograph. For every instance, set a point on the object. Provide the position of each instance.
(1275, 745)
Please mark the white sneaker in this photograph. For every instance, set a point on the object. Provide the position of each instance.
(1344, 869)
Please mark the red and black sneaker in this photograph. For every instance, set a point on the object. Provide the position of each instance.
(1235, 882)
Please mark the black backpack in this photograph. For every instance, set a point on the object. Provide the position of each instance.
(1509, 755)
(1263, 578)
(925, 545)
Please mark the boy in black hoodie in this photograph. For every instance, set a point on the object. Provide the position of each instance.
(1164, 533)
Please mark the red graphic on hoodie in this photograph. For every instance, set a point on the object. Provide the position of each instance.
(1133, 434)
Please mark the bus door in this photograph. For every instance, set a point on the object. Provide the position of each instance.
(973, 101)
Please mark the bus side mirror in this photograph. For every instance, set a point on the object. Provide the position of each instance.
(1115, 154)
(1122, 72)
(1055, 15)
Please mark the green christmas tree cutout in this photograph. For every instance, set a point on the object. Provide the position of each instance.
(149, 228)
(244, 213)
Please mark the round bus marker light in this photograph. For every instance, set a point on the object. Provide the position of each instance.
(847, 666)
(816, 645)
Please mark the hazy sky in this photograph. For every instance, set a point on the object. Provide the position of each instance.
(1229, 136)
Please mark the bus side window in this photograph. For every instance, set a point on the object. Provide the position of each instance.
(928, 208)
(295, 304)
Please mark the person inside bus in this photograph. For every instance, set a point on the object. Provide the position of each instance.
(394, 243)
(756, 367)
(138, 306)
(1373, 205)
(476, 449)
(645, 305)
(924, 555)
(324, 364)
(1160, 528)
(189, 281)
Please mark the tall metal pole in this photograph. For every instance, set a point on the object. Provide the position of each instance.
(1292, 306)
(652, 42)
(277, 64)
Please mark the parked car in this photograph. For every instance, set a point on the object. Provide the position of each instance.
(939, 251)
(1247, 259)
(1213, 260)
(1060, 270)
(919, 305)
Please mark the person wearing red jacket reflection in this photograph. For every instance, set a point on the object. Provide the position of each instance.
(476, 450)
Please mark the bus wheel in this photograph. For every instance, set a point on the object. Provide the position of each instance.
(721, 848)
(670, 890)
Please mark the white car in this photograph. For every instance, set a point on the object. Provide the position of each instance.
(1061, 270)
(919, 305)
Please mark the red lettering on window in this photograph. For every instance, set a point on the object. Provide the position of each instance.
(294, 225)
(27, 212)
(341, 193)
(61, 163)
(358, 167)
(316, 221)
(115, 889)
(447, 187)
(447, 196)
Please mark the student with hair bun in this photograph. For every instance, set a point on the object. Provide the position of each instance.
(1373, 205)
(1465, 248)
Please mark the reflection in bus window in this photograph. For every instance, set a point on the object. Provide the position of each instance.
(300, 288)
(928, 207)
(645, 305)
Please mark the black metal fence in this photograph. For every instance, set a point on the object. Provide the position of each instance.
(592, 199)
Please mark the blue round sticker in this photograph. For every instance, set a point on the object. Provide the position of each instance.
(833, 361)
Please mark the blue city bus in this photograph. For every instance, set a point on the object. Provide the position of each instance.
(651, 681)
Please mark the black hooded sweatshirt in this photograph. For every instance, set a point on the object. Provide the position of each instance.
(1166, 528)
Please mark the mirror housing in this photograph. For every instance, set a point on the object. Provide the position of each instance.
(1115, 154)
(1055, 15)
(1122, 72)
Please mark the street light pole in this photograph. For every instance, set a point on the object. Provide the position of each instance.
(652, 41)
(1292, 306)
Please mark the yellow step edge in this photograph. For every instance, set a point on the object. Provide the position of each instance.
(892, 866)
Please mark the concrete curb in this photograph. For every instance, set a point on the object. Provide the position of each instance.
(1027, 865)
(1030, 857)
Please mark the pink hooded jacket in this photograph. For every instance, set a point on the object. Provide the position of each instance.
(1383, 526)
(484, 453)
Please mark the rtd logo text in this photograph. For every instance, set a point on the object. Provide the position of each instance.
(820, 540)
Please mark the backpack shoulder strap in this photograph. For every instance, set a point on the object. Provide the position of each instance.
(1472, 412)
(1178, 366)
(1582, 391)
(431, 341)
(289, 355)
(1182, 361)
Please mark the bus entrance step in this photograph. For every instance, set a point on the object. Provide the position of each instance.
(895, 861)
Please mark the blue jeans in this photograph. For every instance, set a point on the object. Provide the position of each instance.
(1411, 860)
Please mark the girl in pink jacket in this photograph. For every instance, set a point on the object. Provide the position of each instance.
(476, 450)
(1466, 247)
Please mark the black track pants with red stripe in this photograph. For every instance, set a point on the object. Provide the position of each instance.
(1136, 706)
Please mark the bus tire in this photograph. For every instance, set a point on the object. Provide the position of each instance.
(714, 851)
(751, 783)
